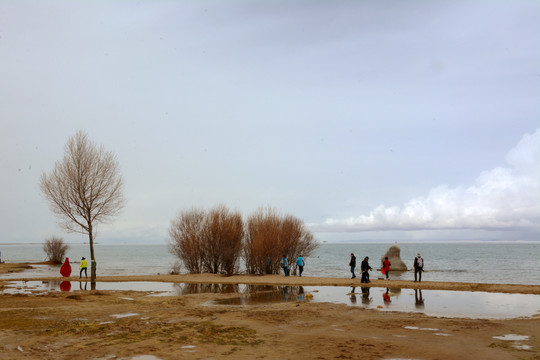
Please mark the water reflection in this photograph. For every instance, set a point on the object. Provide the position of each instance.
(83, 287)
(353, 295)
(259, 294)
(65, 286)
(300, 296)
(386, 297)
(418, 299)
(187, 289)
(366, 299)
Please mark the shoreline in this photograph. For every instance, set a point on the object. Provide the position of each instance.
(280, 280)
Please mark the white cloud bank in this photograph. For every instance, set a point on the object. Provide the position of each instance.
(504, 198)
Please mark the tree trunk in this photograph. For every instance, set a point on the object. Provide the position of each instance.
(92, 258)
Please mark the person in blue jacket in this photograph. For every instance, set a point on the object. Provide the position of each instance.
(300, 263)
(285, 267)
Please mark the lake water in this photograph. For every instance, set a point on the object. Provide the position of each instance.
(508, 263)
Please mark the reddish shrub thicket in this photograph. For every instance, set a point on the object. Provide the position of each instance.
(222, 244)
(207, 241)
(262, 250)
(269, 236)
(213, 241)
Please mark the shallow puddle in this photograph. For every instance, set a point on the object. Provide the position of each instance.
(430, 302)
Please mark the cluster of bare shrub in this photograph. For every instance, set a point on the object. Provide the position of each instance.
(207, 241)
(55, 249)
(214, 241)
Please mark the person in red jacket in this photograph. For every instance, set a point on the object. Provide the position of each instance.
(65, 270)
(386, 267)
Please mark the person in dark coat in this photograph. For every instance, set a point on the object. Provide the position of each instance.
(365, 270)
(418, 267)
(352, 264)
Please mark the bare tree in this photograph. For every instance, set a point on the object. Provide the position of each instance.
(186, 236)
(84, 189)
(55, 248)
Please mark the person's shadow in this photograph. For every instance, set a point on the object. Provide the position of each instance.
(418, 299)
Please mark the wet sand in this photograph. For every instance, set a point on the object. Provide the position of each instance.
(307, 281)
(125, 324)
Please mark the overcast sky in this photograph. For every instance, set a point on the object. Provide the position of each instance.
(369, 120)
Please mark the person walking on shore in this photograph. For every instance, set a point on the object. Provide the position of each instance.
(285, 267)
(418, 267)
(82, 267)
(352, 264)
(386, 267)
(365, 270)
(300, 263)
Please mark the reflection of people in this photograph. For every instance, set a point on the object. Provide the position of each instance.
(353, 295)
(300, 293)
(285, 267)
(365, 295)
(386, 267)
(418, 299)
(65, 286)
(418, 267)
(82, 267)
(300, 263)
(352, 264)
(65, 270)
(386, 297)
(365, 268)
(81, 285)
(0, 256)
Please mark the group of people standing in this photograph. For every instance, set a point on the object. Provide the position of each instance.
(385, 268)
(300, 262)
(364, 267)
(65, 270)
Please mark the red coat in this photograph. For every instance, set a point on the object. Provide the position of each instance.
(65, 270)
(386, 265)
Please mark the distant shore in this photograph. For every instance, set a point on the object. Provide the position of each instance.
(280, 280)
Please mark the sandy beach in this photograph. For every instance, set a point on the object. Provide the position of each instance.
(127, 324)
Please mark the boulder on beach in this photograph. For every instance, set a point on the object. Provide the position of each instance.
(393, 254)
